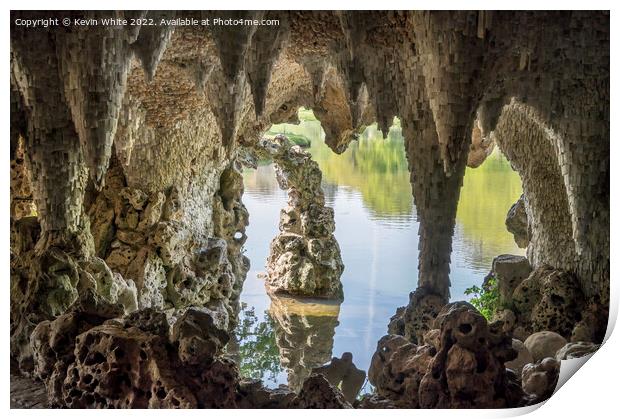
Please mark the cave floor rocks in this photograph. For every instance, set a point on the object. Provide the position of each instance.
(27, 393)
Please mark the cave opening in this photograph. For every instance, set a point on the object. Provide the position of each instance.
(376, 227)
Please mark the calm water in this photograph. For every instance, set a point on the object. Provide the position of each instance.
(368, 187)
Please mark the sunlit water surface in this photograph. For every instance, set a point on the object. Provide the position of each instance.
(368, 187)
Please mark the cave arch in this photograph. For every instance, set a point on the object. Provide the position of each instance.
(537, 152)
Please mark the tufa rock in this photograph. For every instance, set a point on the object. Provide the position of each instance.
(468, 370)
(576, 350)
(523, 357)
(509, 271)
(343, 374)
(544, 344)
(517, 223)
(541, 378)
(304, 258)
(396, 369)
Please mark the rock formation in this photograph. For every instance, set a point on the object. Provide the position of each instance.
(463, 368)
(548, 300)
(468, 370)
(508, 271)
(576, 350)
(134, 362)
(517, 223)
(397, 369)
(304, 258)
(343, 374)
(419, 315)
(316, 393)
(540, 379)
(523, 357)
(480, 148)
(544, 344)
(22, 201)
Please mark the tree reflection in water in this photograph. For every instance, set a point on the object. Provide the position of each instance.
(254, 346)
(295, 335)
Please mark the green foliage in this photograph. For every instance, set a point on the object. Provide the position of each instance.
(258, 352)
(485, 298)
(306, 114)
(375, 167)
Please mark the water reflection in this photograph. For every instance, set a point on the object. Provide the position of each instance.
(304, 330)
(487, 194)
(375, 168)
(253, 346)
(368, 187)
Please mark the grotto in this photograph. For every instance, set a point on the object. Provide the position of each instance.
(128, 228)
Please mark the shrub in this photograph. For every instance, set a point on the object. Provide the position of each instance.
(485, 298)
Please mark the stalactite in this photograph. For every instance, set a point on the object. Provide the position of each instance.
(52, 144)
(267, 44)
(152, 41)
(436, 196)
(450, 55)
(94, 63)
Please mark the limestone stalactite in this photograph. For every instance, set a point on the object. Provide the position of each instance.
(436, 196)
(57, 164)
(94, 63)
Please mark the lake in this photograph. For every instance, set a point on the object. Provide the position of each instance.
(368, 186)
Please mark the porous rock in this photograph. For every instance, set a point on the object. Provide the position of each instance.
(318, 393)
(576, 350)
(549, 299)
(419, 316)
(201, 334)
(523, 357)
(539, 379)
(120, 366)
(396, 369)
(343, 374)
(544, 344)
(509, 271)
(517, 223)
(304, 258)
(468, 370)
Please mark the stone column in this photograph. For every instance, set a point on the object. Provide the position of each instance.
(58, 171)
(436, 196)
(304, 258)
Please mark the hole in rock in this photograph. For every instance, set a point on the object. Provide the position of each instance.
(95, 358)
(465, 328)
(161, 393)
(369, 188)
